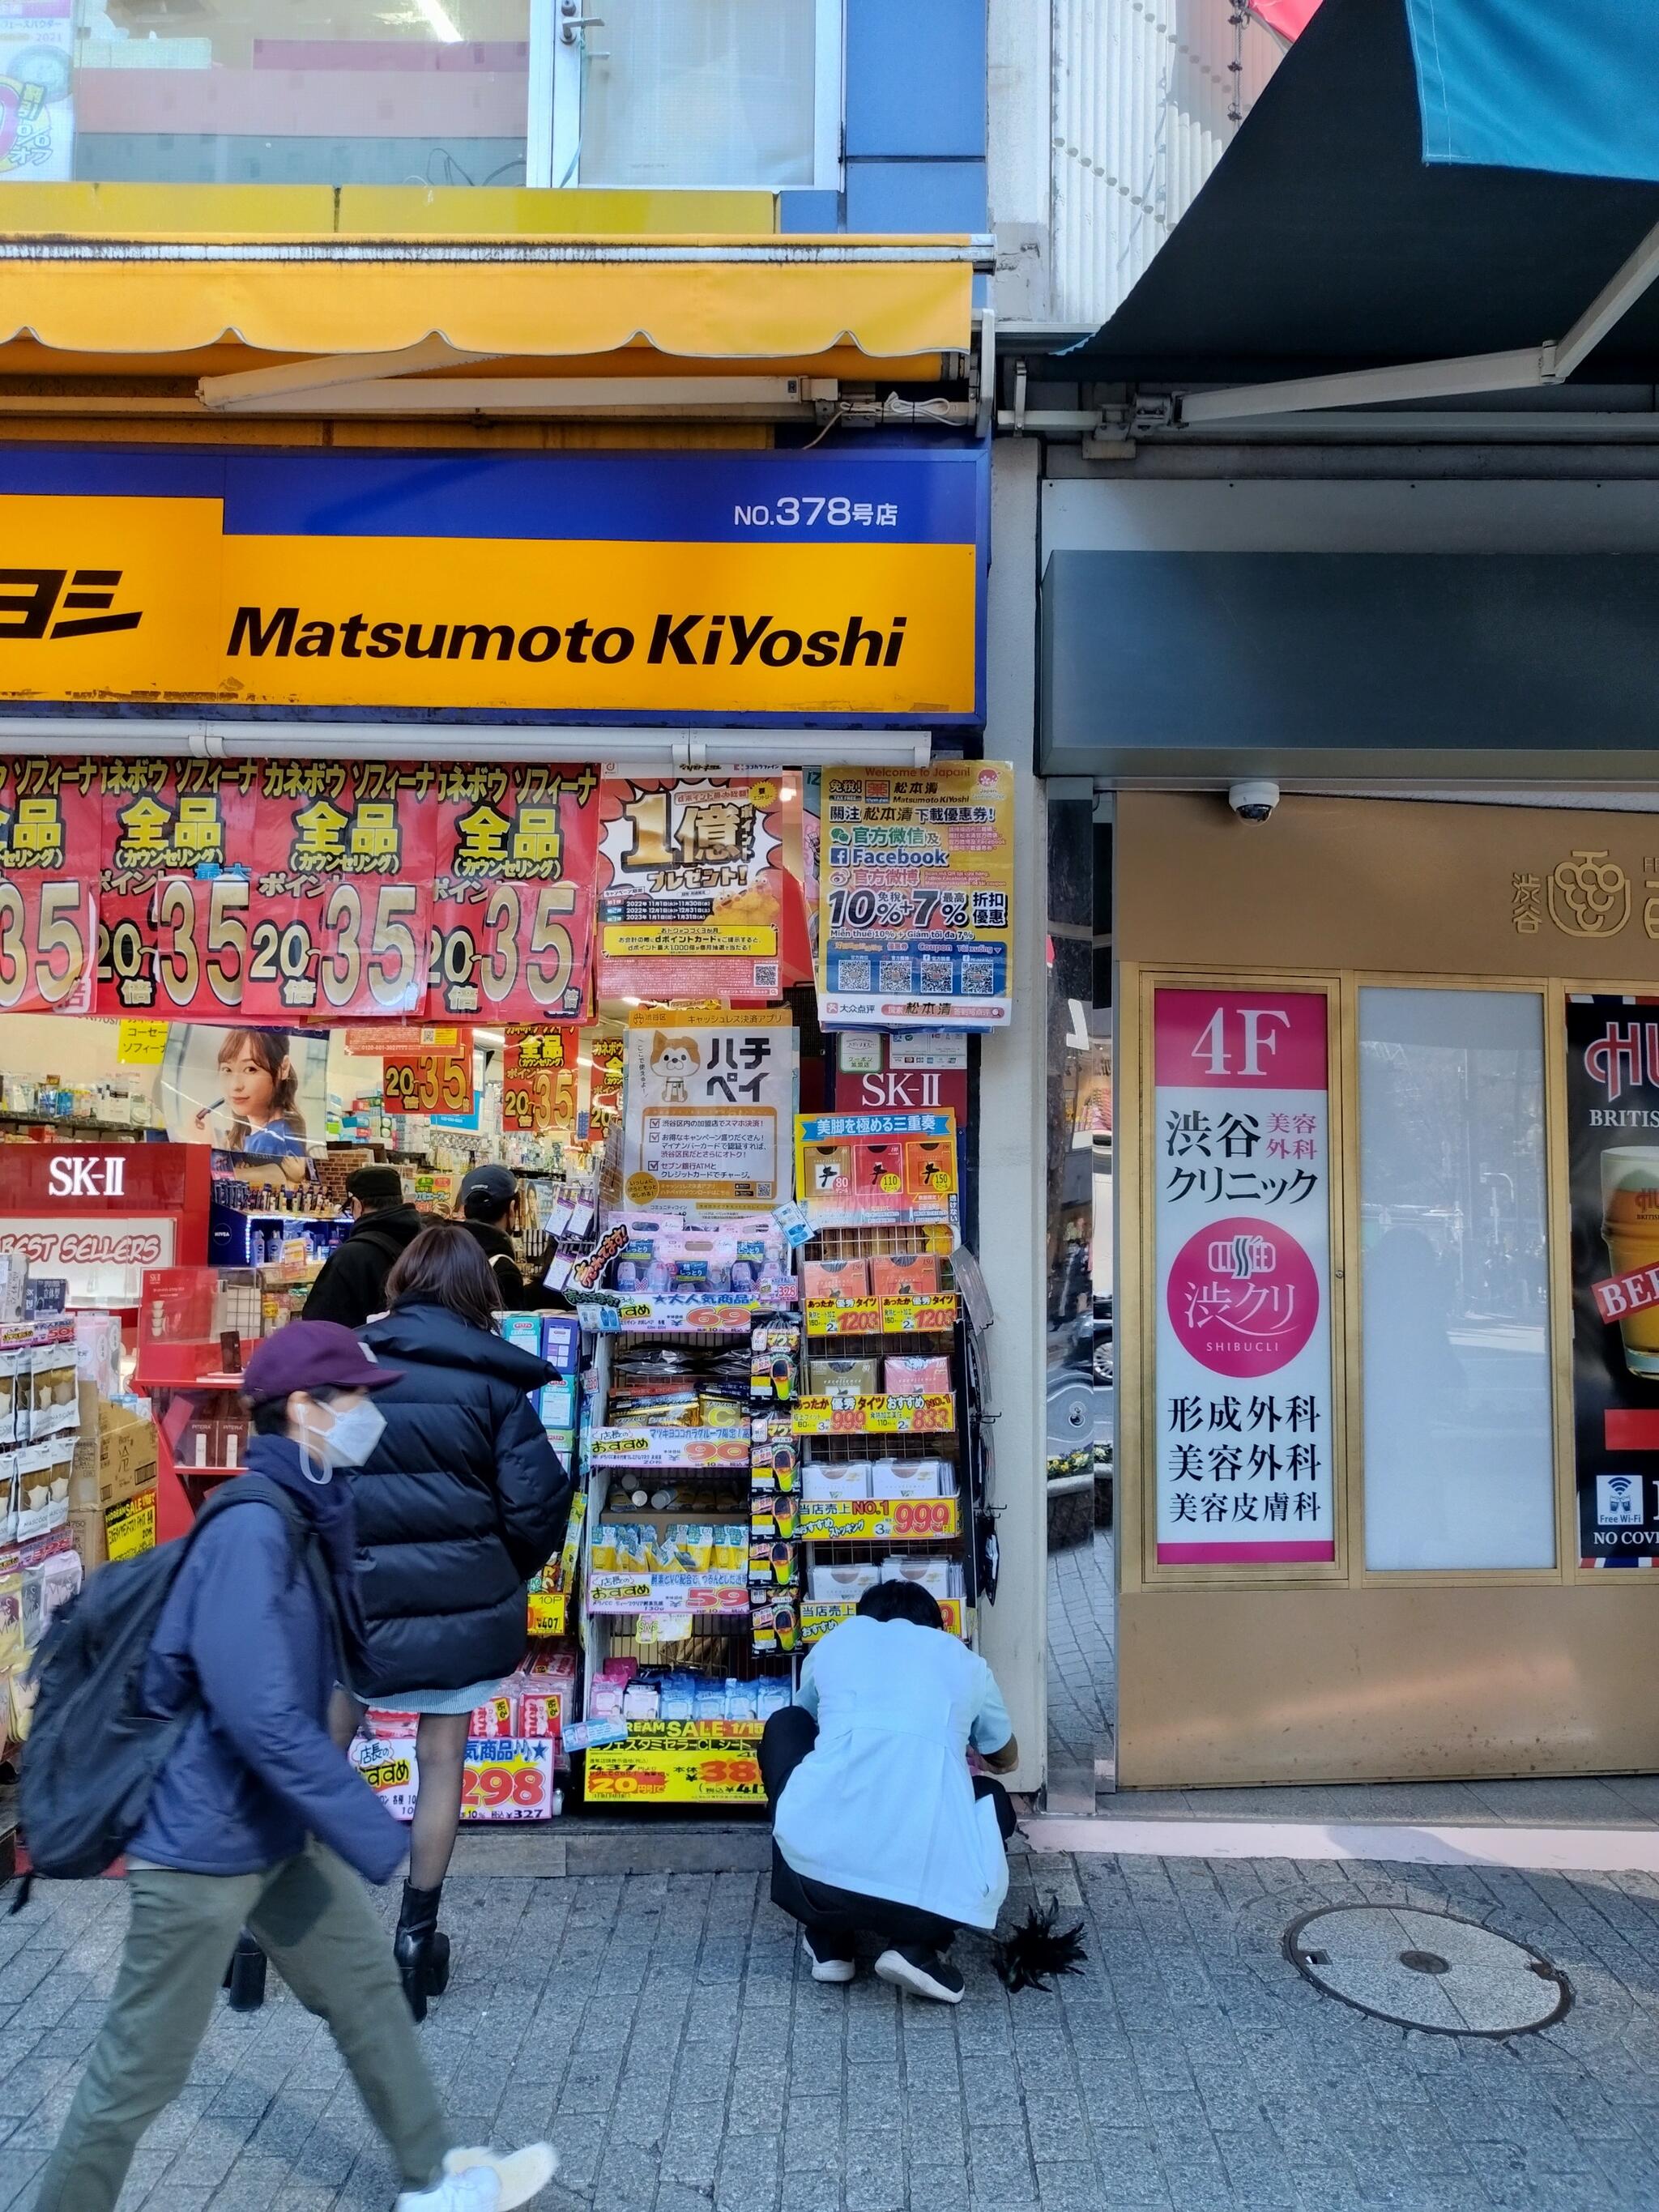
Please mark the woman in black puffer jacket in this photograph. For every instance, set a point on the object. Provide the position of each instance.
(462, 1501)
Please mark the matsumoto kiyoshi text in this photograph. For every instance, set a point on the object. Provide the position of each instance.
(692, 641)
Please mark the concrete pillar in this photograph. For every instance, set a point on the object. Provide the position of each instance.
(1013, 1185)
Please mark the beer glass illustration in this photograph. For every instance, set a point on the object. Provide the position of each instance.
(1629, 1223)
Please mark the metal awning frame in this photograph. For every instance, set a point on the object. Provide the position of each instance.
(1522, 368)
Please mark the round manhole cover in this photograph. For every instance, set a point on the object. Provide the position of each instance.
(1427, 1970)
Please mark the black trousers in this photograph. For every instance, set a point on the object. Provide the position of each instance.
(819, 1906)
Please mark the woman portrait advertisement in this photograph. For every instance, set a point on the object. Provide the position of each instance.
(261, 1092)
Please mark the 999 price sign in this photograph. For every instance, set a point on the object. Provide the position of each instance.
(513, 916)
(49, 851)
(344, 861)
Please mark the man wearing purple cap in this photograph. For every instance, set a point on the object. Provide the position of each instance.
(257, 1820)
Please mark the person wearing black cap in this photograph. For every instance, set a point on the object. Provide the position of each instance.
(351, 1288)
(487, 1196)
(257, 1820)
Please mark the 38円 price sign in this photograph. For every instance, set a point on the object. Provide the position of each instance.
(513, 911)
(1241, 1155)
(691, 888)
(175, 899)
(342, 868)
(49, 848)
(916, 897)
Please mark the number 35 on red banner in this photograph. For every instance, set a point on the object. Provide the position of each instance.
(428, 1083)
(49, 845)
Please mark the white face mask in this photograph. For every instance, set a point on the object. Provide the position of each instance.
(349, 1440)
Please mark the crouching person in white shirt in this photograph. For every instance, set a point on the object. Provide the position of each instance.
(877, 1823)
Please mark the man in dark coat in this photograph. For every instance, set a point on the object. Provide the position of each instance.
(351, 1288)
(257, 1820)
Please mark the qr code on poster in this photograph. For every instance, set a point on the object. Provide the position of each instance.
(894, 976)
(935, 973)
(766, 976)
(979, 979)
(854, 974)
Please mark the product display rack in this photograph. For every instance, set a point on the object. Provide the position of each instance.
(731, 1621)
(893, 1430)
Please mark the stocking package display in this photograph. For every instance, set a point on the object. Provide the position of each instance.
(908, 1377)
(664, 1257)
(836, 1482)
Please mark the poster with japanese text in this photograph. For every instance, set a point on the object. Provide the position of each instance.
(710, 1107)
(37, 104)
(49, 853)
(541, 1080)
(1613, 1149)
(1240, 1154)
(513, 912)
(342, 866)
(916, 897)
(690, 888)
(175, 894)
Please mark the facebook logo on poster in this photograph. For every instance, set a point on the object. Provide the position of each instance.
(1619, 1501)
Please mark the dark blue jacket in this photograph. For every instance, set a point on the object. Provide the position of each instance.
(462, 1500)
(248, 1628)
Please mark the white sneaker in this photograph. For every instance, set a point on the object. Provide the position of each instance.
(477, 2190)
(829, 1968)
(518, 2174)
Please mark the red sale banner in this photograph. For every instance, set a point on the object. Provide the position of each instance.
(513, 912)
(174, 894)
(541, 1086)
(428, 1083)
(343, 867)
(49, 850)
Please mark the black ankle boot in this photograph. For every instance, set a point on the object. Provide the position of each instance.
(421, 1948)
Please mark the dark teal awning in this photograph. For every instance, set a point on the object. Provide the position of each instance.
(1324, 242)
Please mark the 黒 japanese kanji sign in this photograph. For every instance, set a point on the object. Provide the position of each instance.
(1241, 1157)
(175, 894)
(709, 1109)
(513, 916)
(690, 888)
(343, 864)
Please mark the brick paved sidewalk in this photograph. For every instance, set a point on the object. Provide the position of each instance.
(661, 2030)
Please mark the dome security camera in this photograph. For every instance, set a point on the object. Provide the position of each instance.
(1252, 800)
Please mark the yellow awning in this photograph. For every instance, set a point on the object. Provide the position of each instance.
(761, 301)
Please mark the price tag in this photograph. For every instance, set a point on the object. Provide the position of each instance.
(433, 1083)
(662, 1627)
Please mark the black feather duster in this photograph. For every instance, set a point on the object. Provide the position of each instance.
(1037, 1950)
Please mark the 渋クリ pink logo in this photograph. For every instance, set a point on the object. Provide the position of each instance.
(1243, 1297)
